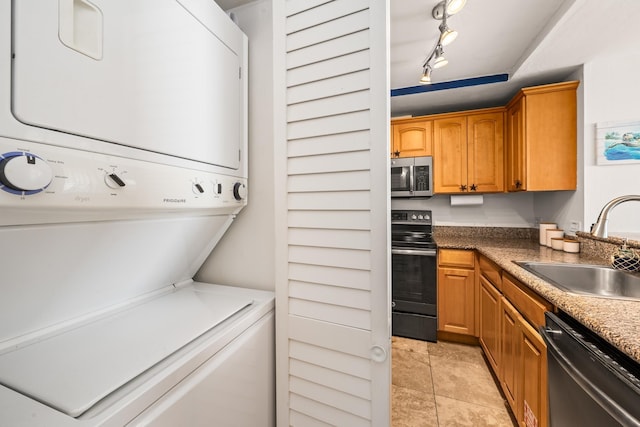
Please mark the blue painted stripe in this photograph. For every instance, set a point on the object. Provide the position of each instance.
(454, 84)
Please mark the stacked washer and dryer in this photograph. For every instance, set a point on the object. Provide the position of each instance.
(123, 160)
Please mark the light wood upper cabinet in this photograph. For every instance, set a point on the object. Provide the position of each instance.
(450, 155)
(541, 138)
(456, 292)
(412, 138)
(485, 136)
(469, 152)
(529, 146)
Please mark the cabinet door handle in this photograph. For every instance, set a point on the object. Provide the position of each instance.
(473, 187)
(396, 153)
(518, 184)
(463, 187)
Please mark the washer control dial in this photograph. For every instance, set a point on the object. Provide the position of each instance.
(20, 171)
(239, 191)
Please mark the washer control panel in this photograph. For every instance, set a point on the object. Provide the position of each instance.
(37, 175)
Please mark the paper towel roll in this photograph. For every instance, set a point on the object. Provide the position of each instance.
(467, 200)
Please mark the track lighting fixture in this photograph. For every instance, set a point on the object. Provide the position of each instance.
(436, 58)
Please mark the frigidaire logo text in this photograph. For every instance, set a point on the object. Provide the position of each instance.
(174, 200)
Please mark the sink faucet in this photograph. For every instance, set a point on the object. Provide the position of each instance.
(599, 229)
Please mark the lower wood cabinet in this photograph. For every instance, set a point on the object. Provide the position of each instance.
(523, 368)
(508, 334)
(509, 370)
(456, 292)
(534, 378)
(489, 326)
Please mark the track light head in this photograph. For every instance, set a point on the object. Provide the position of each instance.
(447, 35)
(426, 76)
(451, 6)
(439, 61)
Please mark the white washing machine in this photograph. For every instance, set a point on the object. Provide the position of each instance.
(123, 160)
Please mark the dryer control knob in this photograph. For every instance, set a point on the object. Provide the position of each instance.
(25, 172)
(239, 191)
(114, 181)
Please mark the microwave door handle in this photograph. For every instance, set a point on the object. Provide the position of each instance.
(411, 169)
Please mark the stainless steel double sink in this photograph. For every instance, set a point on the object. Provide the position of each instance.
(583, 279)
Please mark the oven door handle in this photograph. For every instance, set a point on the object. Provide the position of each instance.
(608, 404)
(417, 252)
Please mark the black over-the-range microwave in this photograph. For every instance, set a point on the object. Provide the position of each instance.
(412, 177)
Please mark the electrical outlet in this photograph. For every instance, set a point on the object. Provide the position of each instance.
(575, 226)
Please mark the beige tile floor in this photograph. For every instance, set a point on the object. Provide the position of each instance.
(443, 384)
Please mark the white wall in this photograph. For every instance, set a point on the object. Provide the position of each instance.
(564, 207)
(245, 256)
(497, 210)
(611, 94)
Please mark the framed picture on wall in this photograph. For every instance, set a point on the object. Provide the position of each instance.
(618, 142)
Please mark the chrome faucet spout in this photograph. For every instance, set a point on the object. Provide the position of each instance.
(599, 229)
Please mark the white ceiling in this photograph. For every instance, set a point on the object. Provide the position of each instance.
(533, 41)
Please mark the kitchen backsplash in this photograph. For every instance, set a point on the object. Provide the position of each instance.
(603, 248)
(486, 232)
(590, 246)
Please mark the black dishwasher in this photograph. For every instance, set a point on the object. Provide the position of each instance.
(591, 383)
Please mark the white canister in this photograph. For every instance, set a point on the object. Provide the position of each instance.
(557, 243)
(544, 226)
(553, 232)
(571, 245)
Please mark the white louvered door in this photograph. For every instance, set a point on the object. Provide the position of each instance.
(332, 200)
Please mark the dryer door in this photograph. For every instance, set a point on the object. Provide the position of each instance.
(161, 75)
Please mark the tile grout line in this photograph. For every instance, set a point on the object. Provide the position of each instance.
(433, 387)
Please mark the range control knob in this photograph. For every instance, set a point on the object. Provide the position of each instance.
(24, 172)
(239, 191)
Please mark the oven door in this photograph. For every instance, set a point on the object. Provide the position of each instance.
(414, 283)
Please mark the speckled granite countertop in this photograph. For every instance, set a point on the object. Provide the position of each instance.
(617, 321)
